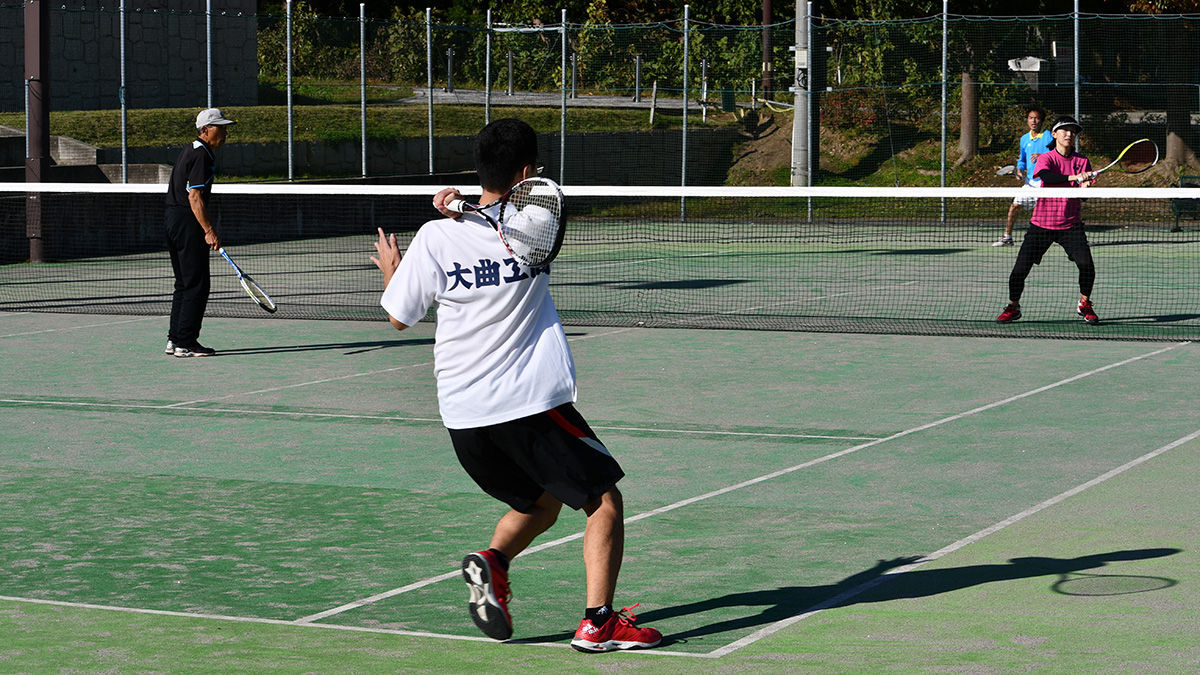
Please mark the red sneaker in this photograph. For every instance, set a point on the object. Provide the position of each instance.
(616, 633)
(1010, 313)
(1088, 312)
(489, 594)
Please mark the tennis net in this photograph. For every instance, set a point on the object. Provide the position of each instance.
(901, 260)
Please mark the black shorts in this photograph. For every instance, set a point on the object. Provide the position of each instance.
(554, 451)
(1038, 240)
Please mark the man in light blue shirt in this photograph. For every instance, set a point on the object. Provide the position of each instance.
(1032, 144)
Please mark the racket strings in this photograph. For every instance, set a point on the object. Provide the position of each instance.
(1139, 157)
(529, 221)
(258, 294)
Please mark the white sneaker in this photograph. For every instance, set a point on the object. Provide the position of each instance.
(1005, 240)
(170, 351)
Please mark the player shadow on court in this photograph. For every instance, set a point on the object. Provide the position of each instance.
(870, 586)
(354, 347)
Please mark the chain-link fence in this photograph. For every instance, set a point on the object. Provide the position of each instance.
(674, 102)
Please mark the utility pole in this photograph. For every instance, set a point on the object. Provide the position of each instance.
(801, 170)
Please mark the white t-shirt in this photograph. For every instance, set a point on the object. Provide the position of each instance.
(500, 352)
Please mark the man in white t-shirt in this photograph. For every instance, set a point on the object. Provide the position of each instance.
(506, 388)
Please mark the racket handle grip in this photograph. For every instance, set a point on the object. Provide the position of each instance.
(457, 205)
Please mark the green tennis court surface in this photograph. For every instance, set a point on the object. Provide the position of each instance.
(293, 505)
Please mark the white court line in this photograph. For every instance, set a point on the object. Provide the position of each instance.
(739, 433)
(747, 483)
(173, 406)
(392, 418)
(91, 325)
(892, 574)
(345, 377)
(298, 384)
(246, 619)
(308, 621)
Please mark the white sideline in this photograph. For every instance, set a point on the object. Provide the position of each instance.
(90, 325)
(747, 483)
(946, 550)
(768, 630)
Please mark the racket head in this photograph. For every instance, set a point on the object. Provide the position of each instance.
(1006, 170)
(1138, 156)
(258, 294)
(532, 221)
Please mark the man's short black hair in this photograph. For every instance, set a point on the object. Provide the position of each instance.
(503, 148)
(1035, 108)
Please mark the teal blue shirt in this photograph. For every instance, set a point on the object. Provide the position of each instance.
(1033, 145)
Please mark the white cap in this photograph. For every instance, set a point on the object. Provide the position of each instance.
(211, 116)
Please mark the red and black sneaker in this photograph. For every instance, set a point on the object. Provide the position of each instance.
(1010, 313)
(489, 594)
(616, 633)
(1088, 312)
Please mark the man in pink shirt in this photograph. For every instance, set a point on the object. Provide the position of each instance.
(1057, 221)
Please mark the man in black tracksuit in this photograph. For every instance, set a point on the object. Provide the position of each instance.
(191, 235)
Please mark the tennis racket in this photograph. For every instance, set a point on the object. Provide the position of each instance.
(1006, 170)
(257, 294)
(1136, 157)
(531, 221)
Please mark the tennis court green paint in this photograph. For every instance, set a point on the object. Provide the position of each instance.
(282, 516)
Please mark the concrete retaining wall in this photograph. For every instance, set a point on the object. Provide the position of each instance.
(606, 158)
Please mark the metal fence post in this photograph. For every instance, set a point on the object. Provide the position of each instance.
(429, 76)
(637, 78)
(686, 55)
(125, 102)
(290, 150)
(1075, 20)
(208, 61)
(487, 74)
(362, 79)
(945, 42)
(562, 134)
